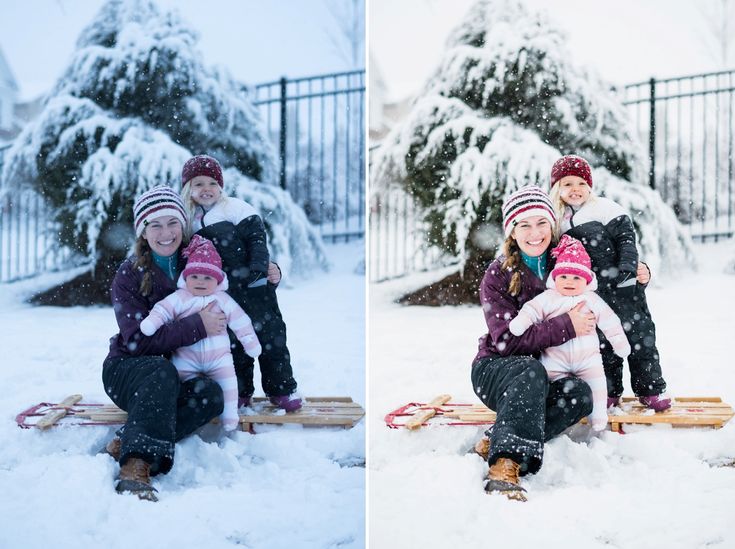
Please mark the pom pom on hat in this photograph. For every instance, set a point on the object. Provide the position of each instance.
(526, 202)
(202, 164)
(571, 259)
(157, 202)
(203, 259)
(571, 164)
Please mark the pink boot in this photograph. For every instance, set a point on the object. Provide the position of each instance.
(657, 403)
(613, 401)
(244, 401)
(287, 402)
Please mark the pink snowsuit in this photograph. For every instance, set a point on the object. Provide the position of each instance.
(211, 355)
(581, 355)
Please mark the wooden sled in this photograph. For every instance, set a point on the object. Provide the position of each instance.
(684, 412)
(316, 412)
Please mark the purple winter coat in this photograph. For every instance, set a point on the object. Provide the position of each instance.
(500, 308)
(131, 308)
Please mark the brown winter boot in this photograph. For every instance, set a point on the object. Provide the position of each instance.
(135, 478)
(113, 448)
(481, 448)
(502, 478)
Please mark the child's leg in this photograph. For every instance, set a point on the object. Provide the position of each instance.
(613, 367)
(592, 372)
(186, 368)
(244, 366)
(275, 362)
(645, 369)
(223, 372)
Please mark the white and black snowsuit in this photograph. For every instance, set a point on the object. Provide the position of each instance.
(238, 233)
(608, 236)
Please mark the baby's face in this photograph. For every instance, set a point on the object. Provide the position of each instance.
(201, 284)
(568, 284)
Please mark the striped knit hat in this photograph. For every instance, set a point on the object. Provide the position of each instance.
(202, 164)
(157, 202)
(572, 259)
(203, 259)
(526, 202)
(571, 164)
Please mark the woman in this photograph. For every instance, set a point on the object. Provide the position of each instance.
(506, 374)
(137, 374)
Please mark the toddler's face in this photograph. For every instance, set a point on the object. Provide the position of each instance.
(573, 190)
(570, 285)
(205, 190)
(201, 284)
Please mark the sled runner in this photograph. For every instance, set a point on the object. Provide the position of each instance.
(316, 411)
(684, 412)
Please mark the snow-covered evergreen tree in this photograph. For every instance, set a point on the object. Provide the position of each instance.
(135, 102)
(504, 103)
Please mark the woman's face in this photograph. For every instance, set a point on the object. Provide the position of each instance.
(164, 235)
(533, 235)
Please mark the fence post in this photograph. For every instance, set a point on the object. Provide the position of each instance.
(652, 137)
(282, 137)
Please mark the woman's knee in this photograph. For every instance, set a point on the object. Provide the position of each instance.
(208, 394)
(577, 392)
(165, 373)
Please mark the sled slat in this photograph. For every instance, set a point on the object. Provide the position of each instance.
(423, 415)
(54, 415)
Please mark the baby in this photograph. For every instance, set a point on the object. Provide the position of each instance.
(203, 282)
(571, 282)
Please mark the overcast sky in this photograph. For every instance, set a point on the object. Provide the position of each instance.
(625, 40)
(257, 40)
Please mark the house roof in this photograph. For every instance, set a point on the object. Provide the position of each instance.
(7, 80)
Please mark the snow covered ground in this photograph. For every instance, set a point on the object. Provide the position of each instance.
(285, 487)
(652, 487)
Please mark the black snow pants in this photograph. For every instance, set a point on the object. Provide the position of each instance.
(161, 409)
(261, 305)
(530, 409)
(646, 377)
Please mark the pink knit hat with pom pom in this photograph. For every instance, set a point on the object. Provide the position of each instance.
(203, 259)
(571, 259)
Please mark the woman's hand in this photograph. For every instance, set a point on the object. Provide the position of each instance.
(214, 323)
(643, 273)
(584, 323)
(274, 273)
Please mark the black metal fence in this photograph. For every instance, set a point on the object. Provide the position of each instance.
(687, 122)
(398, 243)
(318, 124)
(29, 244)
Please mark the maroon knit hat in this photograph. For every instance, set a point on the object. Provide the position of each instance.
(572, 259)
(203, 259)
(571, 164)
(202, 164)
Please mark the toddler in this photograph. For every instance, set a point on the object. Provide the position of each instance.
(201, 283)
(606, 231)
(238, 233)
(571, 282)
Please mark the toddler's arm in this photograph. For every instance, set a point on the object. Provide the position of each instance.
(531, 313)
(162, 313)
(240, 323)
(609, 323)
(622, 231)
